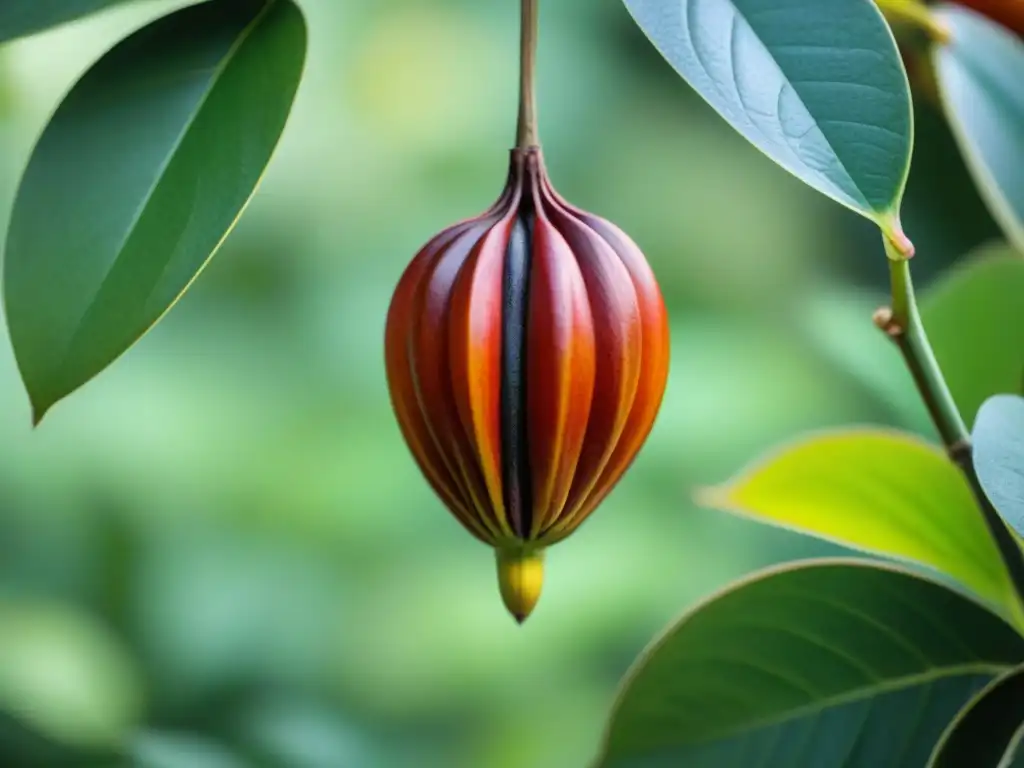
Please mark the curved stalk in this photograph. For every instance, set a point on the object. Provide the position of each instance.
(902, 323)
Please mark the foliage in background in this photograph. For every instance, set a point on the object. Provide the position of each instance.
(215, 548)
(809, 665)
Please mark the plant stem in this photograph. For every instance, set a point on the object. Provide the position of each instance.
(963, 457)
(526, 132)
(902, 323)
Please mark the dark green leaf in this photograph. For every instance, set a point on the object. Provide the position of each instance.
(24, 17)
(138, 178)
(985, 733)
(979, 78)
(829, 663)
(974, 317)
(818, 87)
(999, 456)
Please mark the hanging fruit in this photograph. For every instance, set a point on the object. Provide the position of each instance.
(527, 355)
(1009, 13)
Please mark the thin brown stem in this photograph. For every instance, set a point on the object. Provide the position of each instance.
(526, 132)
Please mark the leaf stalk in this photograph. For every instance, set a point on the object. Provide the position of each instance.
(902, 323)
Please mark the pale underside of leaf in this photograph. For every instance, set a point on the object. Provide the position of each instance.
(999, 456)
(983, 97)
(796, 81)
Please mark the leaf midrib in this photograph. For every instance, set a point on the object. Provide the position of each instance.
(817, 122)
(857, 694)
(140, 211)
(867, 206)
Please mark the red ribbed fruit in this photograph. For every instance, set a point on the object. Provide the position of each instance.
(527, 356)
(1009, 13)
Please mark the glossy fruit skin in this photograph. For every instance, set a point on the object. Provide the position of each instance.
(1009, 13)
(527, 354)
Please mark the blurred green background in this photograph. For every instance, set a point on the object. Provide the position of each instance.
(221, 549)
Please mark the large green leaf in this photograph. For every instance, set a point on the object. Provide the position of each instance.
(975, 321)
(831, 664)
(24, 17)
(979, 78)
(818, 87)
(138, 178)
(999, 456)
(882, 492)
(986, 732)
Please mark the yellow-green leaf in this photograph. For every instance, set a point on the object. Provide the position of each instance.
(880, 492)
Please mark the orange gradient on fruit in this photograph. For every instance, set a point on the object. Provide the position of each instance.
(527, 354)
(1009, 13)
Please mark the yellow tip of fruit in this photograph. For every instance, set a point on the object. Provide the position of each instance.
(520, 578)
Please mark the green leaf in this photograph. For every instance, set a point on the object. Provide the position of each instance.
(818, 87)
(829, 663)
(881, 492)
(999, 456)
(25, 17)
(974, 317)
(138, 178)
(985, 733)
(978, 74)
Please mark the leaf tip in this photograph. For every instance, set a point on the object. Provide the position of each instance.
(39, 411)
(711, 496)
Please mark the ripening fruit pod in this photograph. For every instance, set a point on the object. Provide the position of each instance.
(527, 356)
(1009, 13)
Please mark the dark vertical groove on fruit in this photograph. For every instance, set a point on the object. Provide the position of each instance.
(515, 468)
